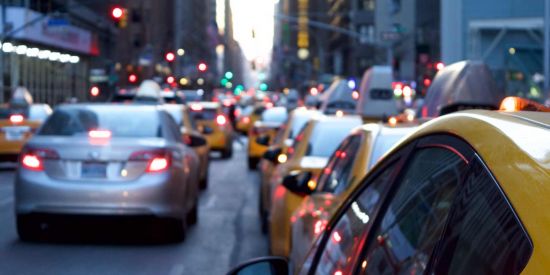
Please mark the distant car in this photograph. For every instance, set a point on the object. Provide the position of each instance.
(263, 131)
(214, 124)
(445, 200)
(246, 119)
(191, 137)
(123, 95)
(347, 166)
(18, 126)
(276, 155)
(124, 161)
(306, 158)
(191, 95)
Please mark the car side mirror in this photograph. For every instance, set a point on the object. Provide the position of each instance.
(271, 265)
(263, 140)
(298, 182)
(272, 154)
(194, 140)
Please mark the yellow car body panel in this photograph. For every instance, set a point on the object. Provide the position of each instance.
(202, 152)
(13, 146)
(523, 172)
(256, 150)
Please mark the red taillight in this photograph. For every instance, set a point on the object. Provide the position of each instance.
(32, 162)
(33, 159)
(221, 120)
(16, 118)
(246, 120)
(157, 160)
(102, 134)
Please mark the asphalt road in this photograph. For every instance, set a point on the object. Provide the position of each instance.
(227, 233)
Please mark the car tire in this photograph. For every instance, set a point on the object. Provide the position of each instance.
(26, 229)
(253, 163)
(203, 183)
(227, 153)
(175, 230)
(193, 215)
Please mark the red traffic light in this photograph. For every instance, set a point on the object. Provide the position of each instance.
(170, 80)
(170, 56)
(132, 78)
(117, 12)
(202, 67)
(94, 91)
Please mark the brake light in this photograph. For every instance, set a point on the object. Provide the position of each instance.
(100, 134)
(196, 107)
(246, 120)
(157, 165)
(33, 159)
(269, 105)
(221, 120)
(16, 118)
(32, 162)
(157, 160)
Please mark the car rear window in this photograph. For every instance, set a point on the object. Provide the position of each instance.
(122, 122)
(326, 138)
(204, 114)
(381, 146)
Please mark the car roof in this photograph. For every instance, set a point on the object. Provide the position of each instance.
(207, 104)
(516, 149)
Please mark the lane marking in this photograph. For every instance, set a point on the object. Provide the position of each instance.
(177, 269)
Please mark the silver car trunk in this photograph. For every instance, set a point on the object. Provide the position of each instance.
(84, 159)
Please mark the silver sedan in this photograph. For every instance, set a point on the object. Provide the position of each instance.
(107, 160)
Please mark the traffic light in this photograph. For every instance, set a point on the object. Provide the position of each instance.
(132, 78)
(263, 87)
(229, 75)
(170, 57)
(120, 16)
(170, 80)
(202, 67)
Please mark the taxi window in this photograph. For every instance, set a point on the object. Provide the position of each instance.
(124, 122)
(484, 236)
(382, 144)
(344, 240)
(381, 94)
(336, 176)
(413, 222)
(204, 114)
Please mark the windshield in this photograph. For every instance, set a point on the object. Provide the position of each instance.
(326, 137)
(204, 114)
(122, 122)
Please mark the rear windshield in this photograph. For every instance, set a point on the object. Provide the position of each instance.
(39, 113)
(122, 122)
(382, 145)
(325, 138)
(204, 114)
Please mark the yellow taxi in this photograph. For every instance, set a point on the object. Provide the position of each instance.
(306, 158)
(346, 167)
(248, 116)
(262, 132)
(277, 154)
(192, 138)
(214, 124)
(17, 126)
(467, 193)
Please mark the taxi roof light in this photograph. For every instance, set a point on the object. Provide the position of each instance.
(515, 104)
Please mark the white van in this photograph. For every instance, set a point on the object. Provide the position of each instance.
(376, 95)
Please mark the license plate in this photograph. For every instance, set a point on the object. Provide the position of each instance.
(94, 170)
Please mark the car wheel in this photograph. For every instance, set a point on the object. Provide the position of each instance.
(193, 215)
(253, 163)
(203, 183)
(227, 153)
(26, 229)
(174, 230)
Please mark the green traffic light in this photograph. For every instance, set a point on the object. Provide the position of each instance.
(224, 81)
(228, 75)
(263, 87)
